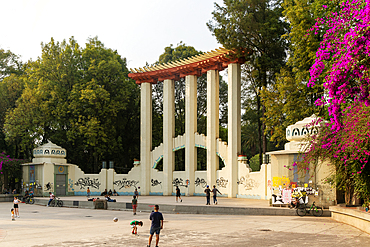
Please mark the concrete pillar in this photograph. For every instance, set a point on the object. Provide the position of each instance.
(190, 130)
(168, 135)
(212, 125)
(110, 179)
(145, 137)
(233, 126)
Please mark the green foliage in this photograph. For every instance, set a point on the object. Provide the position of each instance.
(254, 163)
(254, 29)
(10, 170)
(81, 99)
(289, 100)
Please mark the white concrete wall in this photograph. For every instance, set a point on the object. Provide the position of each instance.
(251, 184)
(96, 182)
(156, 181)
(47, 176)
(125, 184)
(200, 182)
(179, 179)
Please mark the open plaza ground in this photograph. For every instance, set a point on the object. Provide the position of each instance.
(53, 226)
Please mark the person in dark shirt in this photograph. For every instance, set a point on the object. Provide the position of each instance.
(215, 191)
(134, 204)
(157, 224)
(178, 194)
(208, 195)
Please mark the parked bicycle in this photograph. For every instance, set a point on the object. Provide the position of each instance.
(303, 209)
(56, 202)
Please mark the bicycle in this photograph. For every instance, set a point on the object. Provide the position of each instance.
(302, 210)
(56, 202)
(30, 200)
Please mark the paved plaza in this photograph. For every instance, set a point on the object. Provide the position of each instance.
(48, 226)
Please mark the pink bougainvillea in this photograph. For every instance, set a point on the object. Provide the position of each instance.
(343, 57)
(343, 62)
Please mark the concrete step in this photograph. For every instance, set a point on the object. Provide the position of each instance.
(183, 209)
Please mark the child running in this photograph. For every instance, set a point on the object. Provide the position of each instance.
(134, 225)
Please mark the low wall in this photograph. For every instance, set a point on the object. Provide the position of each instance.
(183, 209)
(8, 197)
(350, 216)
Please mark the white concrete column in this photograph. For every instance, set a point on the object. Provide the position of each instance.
(168, 135)
(233, 126)
(145, 137)
(190, 130)
(110, 179)
(213, 86)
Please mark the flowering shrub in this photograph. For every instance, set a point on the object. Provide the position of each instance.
(11, 167)
(343, 57)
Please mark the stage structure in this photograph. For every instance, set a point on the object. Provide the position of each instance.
(190, 68)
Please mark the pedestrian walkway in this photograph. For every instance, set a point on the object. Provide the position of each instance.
(77, 227)
(189, 205)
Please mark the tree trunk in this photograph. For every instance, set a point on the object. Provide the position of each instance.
(259, 129)
(348, 194)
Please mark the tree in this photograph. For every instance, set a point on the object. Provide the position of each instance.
(9, 64)
(11, 86)
(81, 99)
(254, 29)
(343, 60)
(289, 99)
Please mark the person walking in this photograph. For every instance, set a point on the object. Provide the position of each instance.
(208, 195)
(178, 194)
(134, 204)
(214, 191)
(157, 224)
(136, 193)
(16, 207)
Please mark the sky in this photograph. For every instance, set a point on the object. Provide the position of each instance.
(138, 29)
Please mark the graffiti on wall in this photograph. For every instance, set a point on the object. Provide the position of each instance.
(155, 182)
(179, 182)
(247, 182)
(221, 182)
(48, 186)
(200, 182)
(70, 184)
(87, 182)
(125, 183)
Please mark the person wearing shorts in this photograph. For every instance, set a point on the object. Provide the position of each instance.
(16, 207)
(134, 205)
(134, 225)
(157, 224)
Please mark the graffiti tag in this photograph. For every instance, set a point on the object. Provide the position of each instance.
(248, 183)
(70, 183)
(221, 182)
(125, 183)
(155, 182)
(200, 182)
(179, 182)
(87, 182)
(48, 186)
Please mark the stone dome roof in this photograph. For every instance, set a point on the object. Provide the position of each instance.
(49, 150)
